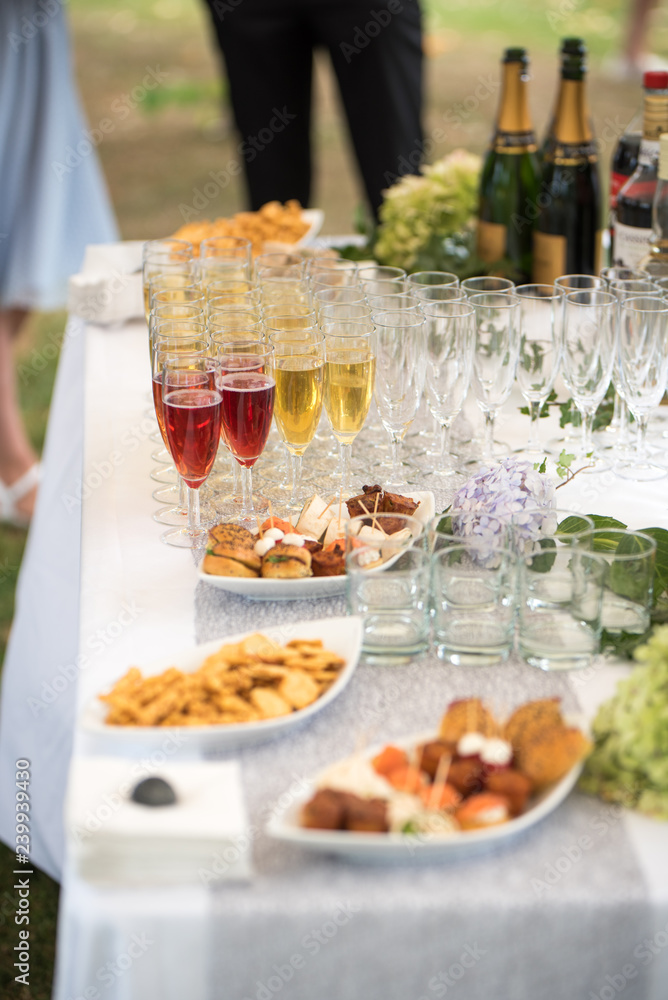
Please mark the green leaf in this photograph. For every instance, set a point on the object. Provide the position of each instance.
(660, 536)
(572, 525)
(445, 525)
(545, 561)
(622, 644)
(606, 543)
(540, 467)
(631, 579)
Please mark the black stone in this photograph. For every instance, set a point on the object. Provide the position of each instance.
(153, 792)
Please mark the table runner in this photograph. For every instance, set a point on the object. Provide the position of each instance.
(427, 916)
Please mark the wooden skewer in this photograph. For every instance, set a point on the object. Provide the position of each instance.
(271, 515)
(259, 526)
(440, 779)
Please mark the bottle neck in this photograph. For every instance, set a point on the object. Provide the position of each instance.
(571, 120)
(514, 128)
(655, 116)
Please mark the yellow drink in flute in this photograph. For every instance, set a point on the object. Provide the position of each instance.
(349, 381)
(298, 400)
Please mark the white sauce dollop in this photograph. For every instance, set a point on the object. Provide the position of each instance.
(496, 751)
(471, 744)
(293, 539)
(275, 534)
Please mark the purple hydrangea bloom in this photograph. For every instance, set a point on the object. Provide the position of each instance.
(510, 492)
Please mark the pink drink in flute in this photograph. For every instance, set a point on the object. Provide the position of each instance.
(247, 410)
(192, 423)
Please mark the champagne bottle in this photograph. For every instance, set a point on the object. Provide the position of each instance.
(567, 235)
(510, 174)
(569, 47)
(633, 224)
(656, 261)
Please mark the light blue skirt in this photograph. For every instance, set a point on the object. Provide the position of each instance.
(53, 197)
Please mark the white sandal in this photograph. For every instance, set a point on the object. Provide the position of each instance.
(10, 496)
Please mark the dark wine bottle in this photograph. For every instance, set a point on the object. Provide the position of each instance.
(633, 217)
(656, 261)
(624, 162)
(567, 235)
(510, 175)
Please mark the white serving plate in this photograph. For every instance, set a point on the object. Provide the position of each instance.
(267, 589)
(340, 635)
(315, 218)
(400, 848)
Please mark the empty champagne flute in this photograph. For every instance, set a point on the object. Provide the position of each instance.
(589, 318)
(422, 279)
(496, 353)
(450, 340)
(540, 353)
(400, 348)
(486, 283)
(642, 346)
(437, 293)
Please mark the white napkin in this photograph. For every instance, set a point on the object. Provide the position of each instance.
(201, 837)
(109, 287)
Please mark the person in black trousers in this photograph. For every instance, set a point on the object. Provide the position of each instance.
(376, 51)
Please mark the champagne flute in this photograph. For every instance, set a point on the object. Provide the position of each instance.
(589, 318)
(450, 344)
(642, 346)
(173, 269)
(497, 346)
(225, 258)
(486, 283)
(425, 278)
(426, 294)
(192, 413)
(298, 371)
(350, 369)
(540, 353)
(399, 343)
(247, 408)
(381, 272)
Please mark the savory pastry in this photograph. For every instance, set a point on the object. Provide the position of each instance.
(231, 552)
(367, 502)
(431, 754)
(325, 811)
(394, 503)
(551, 754)
(367, 815)
(468, 715)
(514, 786)
(287, 562)
(329, 562)
(225, 566)
(530, 718)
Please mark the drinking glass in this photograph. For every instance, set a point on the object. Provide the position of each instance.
(495, 357)
(540, 352)
(334, 279)
(247, 408)
(225, 258)
(175, 329)
(339, 296)
(427, 294)
(486, 283)
(297, 368)
(290, 323)
(450, 341)
(396, 302)
(176, 310)
(192, 425)
(233, 322)
(323, 265)
(579, 282)
(350, 369)
(560, 602)
(347, 327)
(589, 318)
(230, 301)
(164, 290)
(474, 601)
(426, 278)
(642, 347)
(400, 346)
(343, 311)
(617, 273)
(387, 583)
(285, 291)
(380, 272)
(265, 261)
(169, 270)
(390, 286)
(629, 558)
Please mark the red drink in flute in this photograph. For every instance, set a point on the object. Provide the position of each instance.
(192, 423)
(247, 408)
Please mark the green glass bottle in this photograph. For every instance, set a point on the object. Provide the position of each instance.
(567, 232)
(510, 175)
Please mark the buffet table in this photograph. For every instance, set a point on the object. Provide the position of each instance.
(572, 908)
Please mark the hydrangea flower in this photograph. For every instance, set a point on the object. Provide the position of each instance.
(512, 491)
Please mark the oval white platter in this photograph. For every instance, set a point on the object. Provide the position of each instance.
(340, 635)
(401, 848)
(267, 589)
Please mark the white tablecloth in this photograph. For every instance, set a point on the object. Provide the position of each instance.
(133, 601)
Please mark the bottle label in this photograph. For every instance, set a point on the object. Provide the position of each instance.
(631, 245)
(491, 241)
(617, 182)
(549, 257)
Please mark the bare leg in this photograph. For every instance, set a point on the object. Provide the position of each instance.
(639, 12)
(16, 452)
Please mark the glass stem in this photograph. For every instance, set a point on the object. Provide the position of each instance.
(587, 433)
(396, 470)
(193, 509)
(296, 474)
(447, 468)
(624, 421)
(534, 436)
(618, 414)
(488, 440)
(183, 497)
(345, 453)
(642, 440)
(247, 490)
